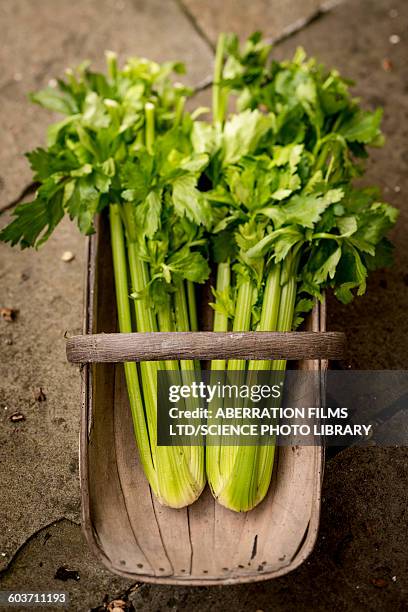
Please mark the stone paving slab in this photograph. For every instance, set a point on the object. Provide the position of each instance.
(363, 536)
(39, 456)
(275, 18)
(60, 546)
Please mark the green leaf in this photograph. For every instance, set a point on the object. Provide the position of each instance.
(334, 93)
(56, 129)
(95, 115)
(147, 214)
(383, 256)
(56, 100)
(87, 141)
(35, 221)
(376, 222)
(242, 134)
(46, 163)
(82, 204)
(194, 163)
(42, 163)
(303, 210)
(350, 273)
(203, 137)
(224, 246)
(363, 127)
(303, 306)
(288, 235)
(225, 302)
(290, 154)
(189, 265)
(288, 183)
(136, 176)
(284, 243)
(328, 269)
(347, 225)
(189, 202)
(84, 170)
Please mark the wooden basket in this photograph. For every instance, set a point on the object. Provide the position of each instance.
(204, 544)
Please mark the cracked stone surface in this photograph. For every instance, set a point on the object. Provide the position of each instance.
(61, 545)
(39, 456)
(274, 18)
(363, 534)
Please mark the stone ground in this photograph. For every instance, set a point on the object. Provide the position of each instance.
(360, 561)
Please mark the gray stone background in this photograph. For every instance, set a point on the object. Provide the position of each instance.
(360, 561)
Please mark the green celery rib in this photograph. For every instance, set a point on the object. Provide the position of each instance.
(125, 326)
(221, 319)
(242, 322)
(244, 472)
(213, 451)
(188, 367)
(149, 126)
(258, 460)
(188, 459)
(183, 325)
(165, 318)
(145, 322)
(242, 318)
(223, 478)
(192, 307)
(218, 94)
(237, 484)
(272, 302)
(192, 313)
(179, 476)
(284, 323)
(270, 311)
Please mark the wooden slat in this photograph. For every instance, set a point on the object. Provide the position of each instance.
(110, 522)
(201, 521)
(228, 526)
(280, 522)
(140, 508)
(155, 346)
(175, 535)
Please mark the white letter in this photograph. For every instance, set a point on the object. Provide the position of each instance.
(173, 393)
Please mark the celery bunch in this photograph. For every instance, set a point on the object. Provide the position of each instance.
(125, 145)
(290, 223)
(264, 194)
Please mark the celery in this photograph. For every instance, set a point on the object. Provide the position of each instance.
(266, 194)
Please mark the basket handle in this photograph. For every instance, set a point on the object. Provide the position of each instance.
(155, 346)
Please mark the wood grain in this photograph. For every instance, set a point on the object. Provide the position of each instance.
(115, 348)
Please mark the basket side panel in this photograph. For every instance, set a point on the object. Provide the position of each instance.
(135, 489)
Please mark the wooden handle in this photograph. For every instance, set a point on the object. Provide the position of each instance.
(156, 346)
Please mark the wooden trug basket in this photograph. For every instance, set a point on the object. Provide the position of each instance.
(204, 544)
